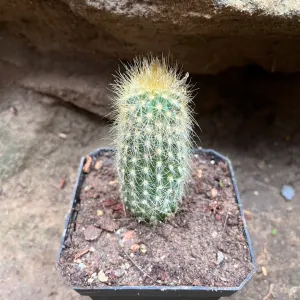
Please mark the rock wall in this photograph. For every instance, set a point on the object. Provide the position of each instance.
(68, 49)
(205, 36)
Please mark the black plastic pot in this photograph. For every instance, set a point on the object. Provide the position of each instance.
(156, 292)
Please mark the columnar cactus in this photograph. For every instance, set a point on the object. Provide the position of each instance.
(152, 132)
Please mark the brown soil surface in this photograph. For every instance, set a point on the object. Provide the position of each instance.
(203, 245)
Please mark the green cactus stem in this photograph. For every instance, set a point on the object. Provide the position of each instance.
(153, 137)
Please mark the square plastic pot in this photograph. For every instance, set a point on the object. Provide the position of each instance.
(156, 292)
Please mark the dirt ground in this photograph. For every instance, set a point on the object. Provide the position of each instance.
(42, 140)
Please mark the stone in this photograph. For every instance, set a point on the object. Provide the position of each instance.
(102, 277)
(113, 182)
(288, 192)
(119, 272)
(100, 212)
(198, 32)
(87, 188)
(91, 233)
(135, 247)
(81, 266)
(275, 7)
(143, 249)
(213, 193)
(98, 165)
(206, 37)
(106, 223)
(199, 173)
(220, 257)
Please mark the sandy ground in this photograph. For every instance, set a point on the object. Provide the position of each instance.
(35, 157)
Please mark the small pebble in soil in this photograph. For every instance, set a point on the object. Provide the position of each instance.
(113, 182)
(91, 233)
(135, 247)
(288, 192)
(212, 162)
(98, 165)
(119, 231)
(106, 223)
(102, 277)
(214, 234)
(119, 272)
(88, 188)
(199, 173)
(92, 249)
(81, 266)
(213, 193)
(100, 212)
(256, 193)
(62, 135)
(220, 257)
(90, 280)
(143, 249)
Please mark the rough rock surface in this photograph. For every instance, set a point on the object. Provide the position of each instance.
(272, 7)
(60, 77)
(205, 36)
(75, 80)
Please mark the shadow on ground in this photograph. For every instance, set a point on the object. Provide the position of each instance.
(250, 116)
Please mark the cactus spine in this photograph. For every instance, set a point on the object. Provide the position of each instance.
(152, 133)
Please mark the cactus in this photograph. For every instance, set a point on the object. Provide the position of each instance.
(153, 137)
